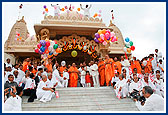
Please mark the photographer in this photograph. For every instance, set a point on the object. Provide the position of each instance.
(14, 102)
(153, 102)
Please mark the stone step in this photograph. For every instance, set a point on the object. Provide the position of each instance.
(83, 108)
(82, 99)
(79, 103)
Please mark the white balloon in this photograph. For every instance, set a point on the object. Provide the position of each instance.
(125, 49)
(52, 43)
(50, 48)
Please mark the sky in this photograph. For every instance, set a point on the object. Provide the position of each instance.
(143, 23)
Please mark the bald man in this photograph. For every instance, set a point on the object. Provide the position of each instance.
(44, 93)
(101, 70)
(73, 75)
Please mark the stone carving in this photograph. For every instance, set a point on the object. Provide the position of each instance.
(44, 33)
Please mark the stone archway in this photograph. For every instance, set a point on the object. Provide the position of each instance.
(87, 49)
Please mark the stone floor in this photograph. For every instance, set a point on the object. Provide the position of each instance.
(82, 99)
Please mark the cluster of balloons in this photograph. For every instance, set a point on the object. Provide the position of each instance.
(97, 14)
(105, 36)
(48, 48)
(45, 12)
(128, 45)
(71, 8)
(74, 53)
(18, 37)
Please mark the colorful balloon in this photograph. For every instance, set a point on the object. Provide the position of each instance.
(42, 48)
(55, 46)
(125, 49)
(127, 39)
(78, 9)
(97, 35)
(45, 6)
(131, 43)
(39, 45)
(104, 43)
(99, 32)
(47, 43)
(128, 50)
(37, 50)
(132, 48)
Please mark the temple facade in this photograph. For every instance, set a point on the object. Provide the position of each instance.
(71, 31)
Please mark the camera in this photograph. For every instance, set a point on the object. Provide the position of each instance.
(136, 95)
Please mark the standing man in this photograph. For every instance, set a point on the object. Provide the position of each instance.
(95, 74)
(56, 9)
(109, 69)
(118, 64)
(8, 63)
(73, 73)
(101, 70)
(62, 68)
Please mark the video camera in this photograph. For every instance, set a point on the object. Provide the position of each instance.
(136, 95)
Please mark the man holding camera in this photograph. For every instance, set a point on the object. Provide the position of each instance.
(153, 102)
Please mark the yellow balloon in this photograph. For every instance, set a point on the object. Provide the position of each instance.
(74, 53)
(99, 32)
(128, 50)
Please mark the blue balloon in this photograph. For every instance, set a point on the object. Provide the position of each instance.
(127, 39)
(50, 53)
(42, 48)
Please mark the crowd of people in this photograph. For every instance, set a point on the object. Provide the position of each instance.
(39, 80)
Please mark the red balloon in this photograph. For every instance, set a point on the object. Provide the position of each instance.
(39, 45)
(36, 50)
(132, 48)
(55, 41)
(18, 34)
(47, 43)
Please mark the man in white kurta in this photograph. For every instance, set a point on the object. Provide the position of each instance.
(147, 82)
(135, 84)
(121, 87)
(56, 78)
(43, 92)
(83, 74)
(154, 102)
(65, 78)
(159, 85)
(95, 74)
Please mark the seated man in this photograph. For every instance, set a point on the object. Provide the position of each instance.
(43, 92)
(147, 82)
(115, 79)
(159, 85)
(121, 88)
(14, 102)
(135, 84)
(154, 102)
(10, 83)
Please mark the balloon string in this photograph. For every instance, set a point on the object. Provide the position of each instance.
(126, 56)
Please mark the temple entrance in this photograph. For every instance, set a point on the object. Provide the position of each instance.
(80, 58)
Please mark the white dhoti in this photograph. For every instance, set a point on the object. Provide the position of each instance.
(65, 83)
(96, 81)
(45, 95)
(124, 91)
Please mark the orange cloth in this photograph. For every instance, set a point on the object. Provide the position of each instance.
(101, 70)
(34, 71)
(25, 66)
(73, 76)
(109, 70)
(49, 67)
(137, 65)
(148, 67)
(61, 70)
(118, 66)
